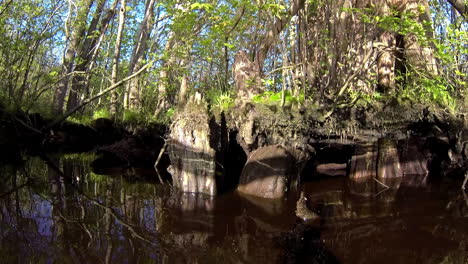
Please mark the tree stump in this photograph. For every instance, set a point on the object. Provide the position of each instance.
(192, 149)
(363, 162)
(388, 164)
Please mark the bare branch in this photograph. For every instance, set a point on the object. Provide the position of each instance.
(461, 7)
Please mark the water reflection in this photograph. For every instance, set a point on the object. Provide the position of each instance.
(393, 221)
(58, 210)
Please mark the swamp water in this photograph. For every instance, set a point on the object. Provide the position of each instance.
(59, 211)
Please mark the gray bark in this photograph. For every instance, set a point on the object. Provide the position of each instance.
(67, 66)
(116, 57)
(141, 45)
(460, 6)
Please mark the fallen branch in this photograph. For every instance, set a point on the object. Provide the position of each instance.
(381, 183)
(158, 159)
(103, 92)
(466, 180)
(384, 185)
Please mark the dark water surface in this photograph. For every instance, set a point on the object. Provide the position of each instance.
(61, 212)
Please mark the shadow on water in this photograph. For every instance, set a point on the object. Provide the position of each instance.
(60, 211)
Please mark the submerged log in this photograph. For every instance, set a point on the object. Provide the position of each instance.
(363, 162)
(388, 164)
(192, 149)
(271, 171)
(332, 169)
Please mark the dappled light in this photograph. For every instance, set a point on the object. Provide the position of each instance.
(233, 131)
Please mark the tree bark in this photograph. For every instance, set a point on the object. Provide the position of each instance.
(141, 45)
(163, 103)
(116, 57)
(386, 56)
(460, 6)
(87, 52)
(420, 58)
(68, 60)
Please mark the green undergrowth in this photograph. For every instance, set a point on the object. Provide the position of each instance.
(274, 98)
(129, 118)
(220, 101)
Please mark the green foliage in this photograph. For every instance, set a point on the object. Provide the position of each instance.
(133, 117)
(402, 23)
(270, 97)
(170, 113)
(81, 119)
(204, 6)
(224, 101)
(220, 100)
(98, 178)
(434, 90)
(363, 99)
(101, 113)
(87, 118)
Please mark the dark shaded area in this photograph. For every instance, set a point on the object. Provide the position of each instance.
(327, 153)
(235, 159)
(30, 132)
(303, 244)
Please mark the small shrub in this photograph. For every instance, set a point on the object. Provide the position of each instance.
(101, 113)
(224, 101)
(133, 117)
(219, 99)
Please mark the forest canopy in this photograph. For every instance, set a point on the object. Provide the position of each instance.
(124, 58)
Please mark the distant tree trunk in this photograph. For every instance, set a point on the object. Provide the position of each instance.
(174, 69)
(163, 83)
(247, 74)
(116, 57)
(136, 61)
(274, 32)
(91, 42)
(68, 60)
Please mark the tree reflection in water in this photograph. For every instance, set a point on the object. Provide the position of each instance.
(60, 211)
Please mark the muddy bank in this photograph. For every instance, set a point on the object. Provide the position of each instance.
(282, 144)
(32, 132)
(260, 149)
(115, 145)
